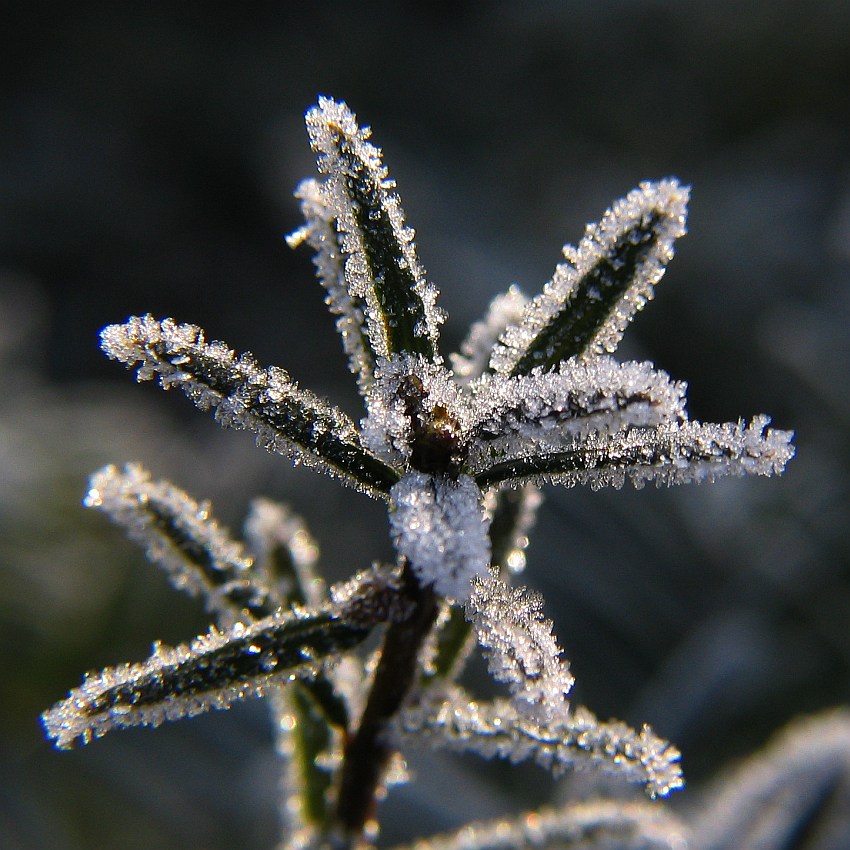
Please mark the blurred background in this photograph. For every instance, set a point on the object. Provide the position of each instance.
(147, 157)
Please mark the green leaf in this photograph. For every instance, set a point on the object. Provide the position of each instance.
(285, 418)
(381, 267)
(592, 297)
(212, 672)
(672, 453)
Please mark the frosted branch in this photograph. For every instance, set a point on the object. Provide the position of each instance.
(674, 453)
(286, 419)
(381, 268)
(595, 825)
(593, 296)
(574, 739)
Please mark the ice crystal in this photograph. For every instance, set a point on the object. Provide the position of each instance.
(457, 454)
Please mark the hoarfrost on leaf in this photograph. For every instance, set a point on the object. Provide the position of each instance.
(594, 825)
(519, 645)
(381, 268)
(593, 296)
(573, 739)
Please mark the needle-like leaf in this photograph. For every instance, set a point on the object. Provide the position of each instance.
(285, 418)
(381, 268)
(673, 453)
(594, 295)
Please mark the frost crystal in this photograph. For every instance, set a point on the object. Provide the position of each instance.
(438, 525)
(458, 456)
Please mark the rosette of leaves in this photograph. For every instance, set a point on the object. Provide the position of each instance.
(458, 455)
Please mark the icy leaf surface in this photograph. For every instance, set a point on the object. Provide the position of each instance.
(593, 296)
(285, 418)
(285, 553)
(520, 648)
(544, 412)
(180, 535)
(381, 268)
(672, 453)
(223, 666)
(572, 739)
(439, 525)
(321, 234)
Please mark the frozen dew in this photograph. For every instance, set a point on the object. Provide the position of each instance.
(439, 525)
(286, 419)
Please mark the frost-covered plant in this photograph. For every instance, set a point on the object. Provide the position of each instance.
(458, 455)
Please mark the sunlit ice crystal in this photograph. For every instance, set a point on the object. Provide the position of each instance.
(438, 524)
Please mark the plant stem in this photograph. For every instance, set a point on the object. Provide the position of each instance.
(368, 752)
